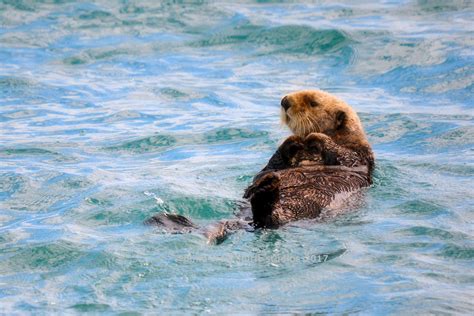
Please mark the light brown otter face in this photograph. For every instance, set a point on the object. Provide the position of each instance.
(315, 111)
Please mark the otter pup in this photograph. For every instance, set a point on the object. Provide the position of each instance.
(327, 159)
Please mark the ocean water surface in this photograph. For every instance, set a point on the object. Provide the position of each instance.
(112, 111)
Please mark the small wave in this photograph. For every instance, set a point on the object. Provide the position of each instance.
(458, 252)
(15, 87)
(41, 257)
(127, 115)
(90, 307)
(436, 6)
(12, 83)
(91, 56)
(287, 39)
(420, 207)
(432, 232)
(10, 183)
(298, 39)
(95, 15)
(172, 93)
(159, 143)
(457, 138)
(228, 134)
(27, 152)
(50, 192)
(145, 145)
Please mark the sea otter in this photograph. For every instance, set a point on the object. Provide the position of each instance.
(329, 133)
(327, 159)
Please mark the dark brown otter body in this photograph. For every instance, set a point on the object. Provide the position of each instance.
(327, 159)
(281, 195)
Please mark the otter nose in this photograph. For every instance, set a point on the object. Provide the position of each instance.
(285, 103)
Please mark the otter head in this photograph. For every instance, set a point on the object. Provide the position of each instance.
(315, 111)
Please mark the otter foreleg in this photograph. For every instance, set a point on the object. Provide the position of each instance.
(332, 153)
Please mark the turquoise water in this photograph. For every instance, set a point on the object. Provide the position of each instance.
(113, 111)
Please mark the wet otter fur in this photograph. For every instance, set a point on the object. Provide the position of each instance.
(329, 133)
(326, 160)
(279, 196)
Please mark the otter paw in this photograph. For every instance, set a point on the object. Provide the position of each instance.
(292, 139)
(268, 182)
(290, 149)
(316, 141)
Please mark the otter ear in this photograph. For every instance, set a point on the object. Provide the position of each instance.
(340, 119)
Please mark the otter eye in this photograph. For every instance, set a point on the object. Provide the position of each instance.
(313, 103)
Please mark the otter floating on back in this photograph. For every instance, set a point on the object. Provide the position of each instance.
(326, 160)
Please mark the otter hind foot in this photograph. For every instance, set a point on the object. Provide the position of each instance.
(263, 197)
(172, 223)
(267, 183)
(218, 233)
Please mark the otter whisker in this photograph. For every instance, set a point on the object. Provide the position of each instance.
(308, 125)
(314, 123)
(302, 120)
(303, 125)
